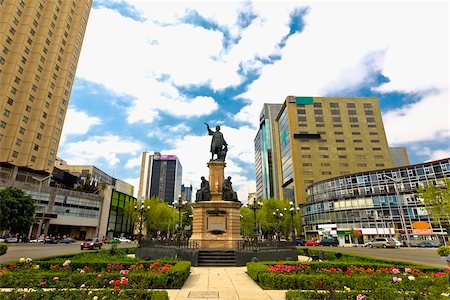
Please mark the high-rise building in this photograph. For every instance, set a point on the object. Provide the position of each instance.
(160, 177)
(321, 137)
(399, 156)
(266, 154)
(39, 49)
(186, 191)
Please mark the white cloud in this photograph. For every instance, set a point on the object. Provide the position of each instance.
(104, 149)
(134, 182)
(77, 123)
(425, 120)
(134, 162)
(180, 128)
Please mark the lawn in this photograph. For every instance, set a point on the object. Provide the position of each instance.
(92, 275)
(351, 277)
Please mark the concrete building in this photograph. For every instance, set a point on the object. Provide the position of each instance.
(321, 137)
(186, 191)
(161, 177)
(399, 156)
(266, 154)
(359, 206)
(39, 50)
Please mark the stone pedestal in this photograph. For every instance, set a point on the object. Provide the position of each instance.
(216, 176)
(216, 224)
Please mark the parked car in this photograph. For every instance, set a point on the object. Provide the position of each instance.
(381, 243)
(312, 243)
(329, 241)
(11, 240)
(91, 243)
(37, 240)
(397, 243)
(426, 244)
(299, 242)
(2, 240)
(123, 240)
(67, 240)
(51, 240)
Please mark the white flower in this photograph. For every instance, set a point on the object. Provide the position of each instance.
(66, 263)
(95, 298)
(90, 293)
(28, 260)
(36, 267)
(81, 271)
(411, 278)
(82, 286)
(22, 259)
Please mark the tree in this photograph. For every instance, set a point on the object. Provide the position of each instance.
(247, 221)
(436, 198)
(16, 210)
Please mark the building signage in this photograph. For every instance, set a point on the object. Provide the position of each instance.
(421, 225)
(423, 231)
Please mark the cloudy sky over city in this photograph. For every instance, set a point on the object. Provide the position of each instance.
(152, 72)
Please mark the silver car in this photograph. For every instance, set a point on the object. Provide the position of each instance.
(381, 243)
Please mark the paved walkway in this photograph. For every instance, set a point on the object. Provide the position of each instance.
(222, 283)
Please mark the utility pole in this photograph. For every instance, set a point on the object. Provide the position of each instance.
(46, 208)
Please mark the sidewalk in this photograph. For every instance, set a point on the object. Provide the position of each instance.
(222, 283)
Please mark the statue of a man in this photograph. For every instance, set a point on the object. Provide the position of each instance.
(218, 144)
(227, 191)
(204, 193)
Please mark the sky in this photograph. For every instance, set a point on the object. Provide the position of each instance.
(151, 73)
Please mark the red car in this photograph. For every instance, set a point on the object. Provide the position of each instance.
(92, 244)
(312, 243)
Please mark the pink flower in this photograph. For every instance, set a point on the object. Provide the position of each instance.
(81, 271)
(396, 279)
(111, 282)
(438, 274)
(407, 270)
(99, 276)
(360, 297)
(55, 278)
(395, 270)
(124, 272)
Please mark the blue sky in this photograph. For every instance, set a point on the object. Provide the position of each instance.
(151, 73)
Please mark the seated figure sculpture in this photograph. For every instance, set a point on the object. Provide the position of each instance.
(204, 193)
(227, 191)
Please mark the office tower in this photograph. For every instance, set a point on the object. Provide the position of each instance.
(320, 137)
(266, 154)
(160, 177)
(39, 49)
(399, 156)
(186, 191)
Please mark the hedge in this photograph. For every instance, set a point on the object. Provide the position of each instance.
(61, 294)
(3, 248)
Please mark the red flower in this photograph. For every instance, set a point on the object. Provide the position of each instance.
(42, 283)
(124, 281)
(348, 271)
(332, 270)
(116, 288)
(117, 282)
(90, 287)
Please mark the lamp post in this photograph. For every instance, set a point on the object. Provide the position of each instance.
(292, 210)
(402, 214)
(255, 205)
(141, 209)
(41, 221)
(278, 215)
(179, 204)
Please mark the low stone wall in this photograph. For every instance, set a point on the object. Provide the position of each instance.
(159, 252)
(245, 256)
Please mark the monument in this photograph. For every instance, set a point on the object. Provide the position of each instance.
(216, 223)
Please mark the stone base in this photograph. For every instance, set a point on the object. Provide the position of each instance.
(216, 224)
(216, 176)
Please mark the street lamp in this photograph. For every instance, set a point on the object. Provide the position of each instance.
(402, 215)
(292, 211)
(141, 209)
(179, 204)
(255, 205)
(41, 221)
(278, 216)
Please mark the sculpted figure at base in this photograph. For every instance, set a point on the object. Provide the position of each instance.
(204, 193)
(218, 145)
(227, 191)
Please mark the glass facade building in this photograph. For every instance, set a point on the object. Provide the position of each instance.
(119, 224)
(366, 203)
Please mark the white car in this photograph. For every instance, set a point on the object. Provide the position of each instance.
(38, 240)
(397, 243)
(124, 240)
(2, 240)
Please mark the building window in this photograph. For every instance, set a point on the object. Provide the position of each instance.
(54, 141)
(336, 119)
(31, 98)
(351, 105)
(338, 133)
(361, 165)
(20, 70)
(2, 124)
(334, 105)
(378, 156)
(307, 164)
(301, 119)
(379, 165)
(356, 133)
(318, 112)
(6, 112)
(376, 149)
(326, 173)
(335, 112)
(44, 115)
(34, 88)
(25, 119)
(47, 105)
(41, 125)
(49, 95)
(339, 141)
(368, 112)
(22, 130)
(317, 104)
(357, 141)
(343, 164)
(2, 60)
(306, 156)
(325, 164)
(36, 147)
(374, 141)
(10, 101)
(37, 78)
(17, 80)
(353, 120)
(301, 111)
(39, 136)
(323, 148)
(360, 156)
(372, 125)
(33, 158)
(359, 148)
(370, 120)
(52, 152)
(340, 148)
(324, 156)
(61, 111)
(15, 154)
(49, 162)
(18, 142)
(319, 119)
(320, 125)
(352, 112)
(367, 105)
(354, 125)
(302, 125)
(305, 148)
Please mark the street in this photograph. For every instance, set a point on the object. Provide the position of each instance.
(16, 251)
(426, 256)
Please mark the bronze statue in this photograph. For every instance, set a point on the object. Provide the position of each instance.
(227, 191)
(204, 193)
(218, 144)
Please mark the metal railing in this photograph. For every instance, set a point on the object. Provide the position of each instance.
(179, 244)
(267, 245)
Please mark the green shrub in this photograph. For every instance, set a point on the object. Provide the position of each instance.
(3, 248)
(59, 294)
(443, 251)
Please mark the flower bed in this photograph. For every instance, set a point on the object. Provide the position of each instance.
(338, 277)
(84, 294)
(90, 271)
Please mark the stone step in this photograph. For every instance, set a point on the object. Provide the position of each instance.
(216, 258)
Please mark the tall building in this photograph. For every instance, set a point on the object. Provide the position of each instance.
(266, 154)
(39, 49)
(160, 177)
(399, 156)
(186, 191)
(320, 138)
